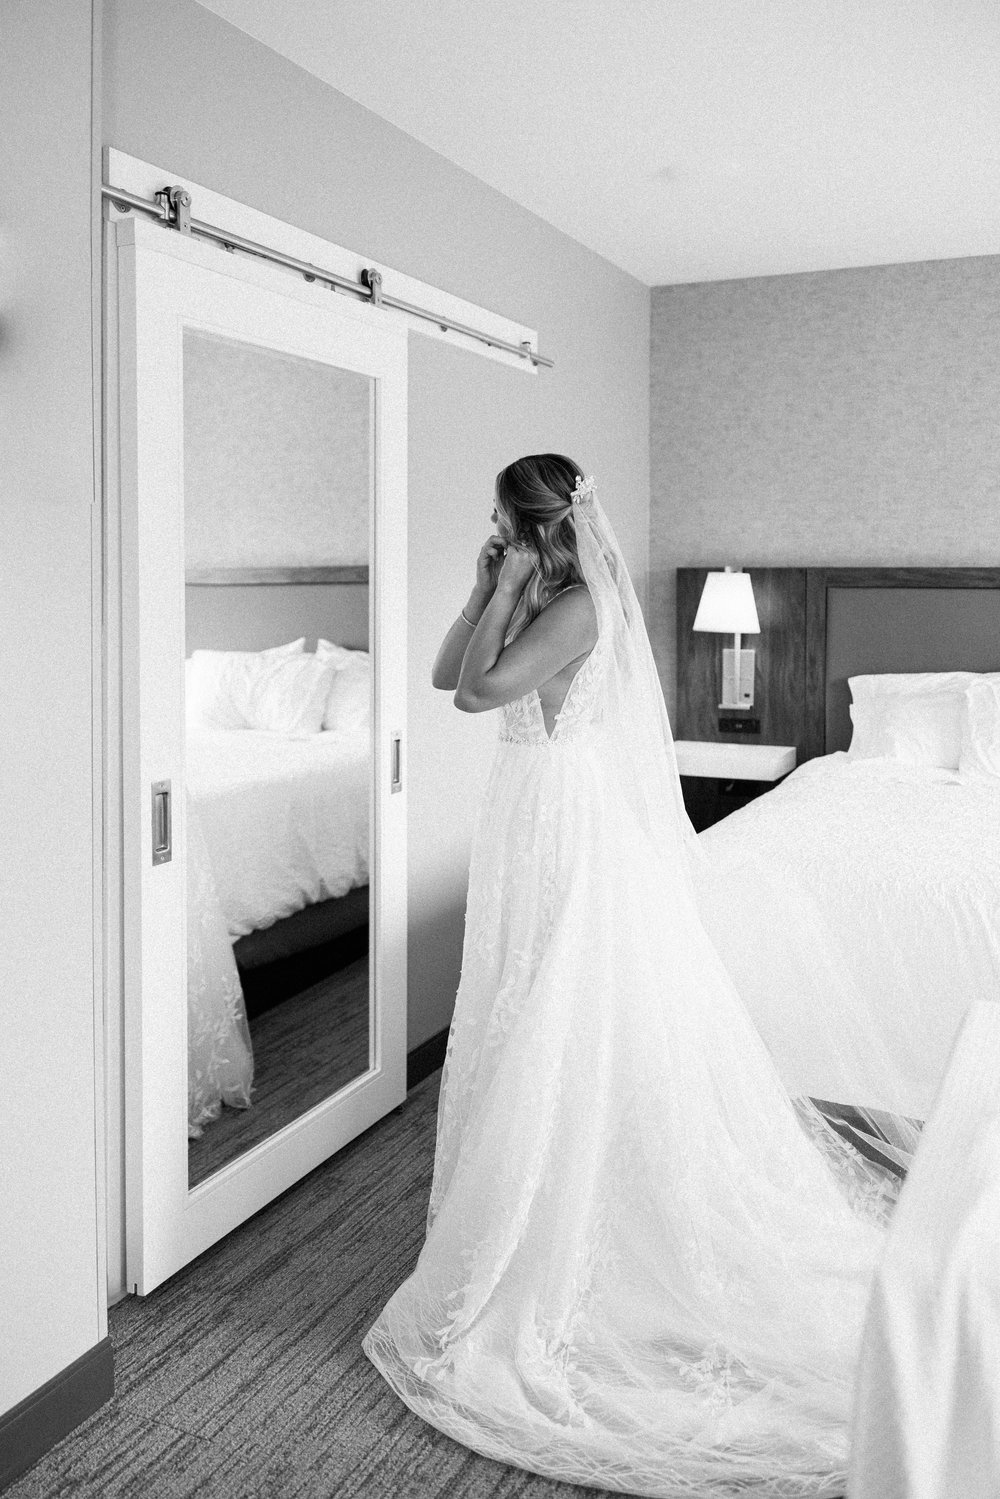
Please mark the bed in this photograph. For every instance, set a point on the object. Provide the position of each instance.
(286, 820)
(278, 777)
(250, 610)
(278, 836)
(857, 905)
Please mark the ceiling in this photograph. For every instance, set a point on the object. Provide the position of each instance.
(689, 140)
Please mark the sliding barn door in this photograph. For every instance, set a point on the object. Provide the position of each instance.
(254, 411)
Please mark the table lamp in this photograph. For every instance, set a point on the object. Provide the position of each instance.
(727, 607)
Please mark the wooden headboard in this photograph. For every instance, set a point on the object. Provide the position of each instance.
(821, 625)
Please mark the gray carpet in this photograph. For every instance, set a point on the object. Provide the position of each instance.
(304, 1049)
(243, 1376)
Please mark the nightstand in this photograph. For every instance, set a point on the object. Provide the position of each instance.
(720, 778)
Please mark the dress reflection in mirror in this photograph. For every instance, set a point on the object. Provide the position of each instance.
(278, 676)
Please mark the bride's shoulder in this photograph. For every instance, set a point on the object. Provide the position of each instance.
(575, 607)
(571, 590)
(575, 596)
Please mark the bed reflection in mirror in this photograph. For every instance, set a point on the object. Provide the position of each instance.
(278, 689)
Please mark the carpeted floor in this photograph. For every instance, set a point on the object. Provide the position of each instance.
(304, 1050)
(243, 1376)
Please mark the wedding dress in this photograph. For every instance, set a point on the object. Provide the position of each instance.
(220, 1052)
(645, 1266)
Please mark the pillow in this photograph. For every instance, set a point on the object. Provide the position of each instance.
(212, 677)
(980, 753)
(914, 717)
(348, 707)
(287, 695)
(340, 653)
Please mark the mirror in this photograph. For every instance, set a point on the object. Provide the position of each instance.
(278, 473)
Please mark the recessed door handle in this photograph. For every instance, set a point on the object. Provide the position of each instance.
(162, 823)
(396, 773)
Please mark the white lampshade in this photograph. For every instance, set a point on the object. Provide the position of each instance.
(727, 605)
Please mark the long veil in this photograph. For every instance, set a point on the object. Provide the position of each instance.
(640, 740)
(635, 713)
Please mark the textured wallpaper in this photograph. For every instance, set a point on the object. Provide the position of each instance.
(838, 417)
(276, 458)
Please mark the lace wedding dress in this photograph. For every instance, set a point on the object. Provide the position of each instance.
(220, 1053)
(645, 1266)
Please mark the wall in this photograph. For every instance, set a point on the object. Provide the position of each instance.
(187, 90)
(51, 1272)
(276, 458)
(839, 417)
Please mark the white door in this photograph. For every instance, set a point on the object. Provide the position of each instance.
(262, 481)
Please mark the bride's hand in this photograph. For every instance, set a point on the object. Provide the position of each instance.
(519, 565)
(488, 565)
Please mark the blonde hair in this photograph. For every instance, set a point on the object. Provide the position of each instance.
(534, 498)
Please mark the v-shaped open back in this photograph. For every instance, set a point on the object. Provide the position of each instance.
(523, 720)
(557, 716)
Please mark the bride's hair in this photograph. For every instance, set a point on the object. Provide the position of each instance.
(534, 499)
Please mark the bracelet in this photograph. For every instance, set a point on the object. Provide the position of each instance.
(470, 622)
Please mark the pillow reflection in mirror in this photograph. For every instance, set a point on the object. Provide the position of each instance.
(342, 654)
(209, 677)
(980, 754)
(286, 695)
(348, 708)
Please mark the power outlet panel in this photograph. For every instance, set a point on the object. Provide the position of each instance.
(739, 725)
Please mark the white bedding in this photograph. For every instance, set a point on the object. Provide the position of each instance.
(857, 907)
(286, 821)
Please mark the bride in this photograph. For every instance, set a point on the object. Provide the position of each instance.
(645, 1266)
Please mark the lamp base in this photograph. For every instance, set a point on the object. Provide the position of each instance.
(737, 679)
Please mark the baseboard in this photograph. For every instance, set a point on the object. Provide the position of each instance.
(425, 1058)
(35, 1425)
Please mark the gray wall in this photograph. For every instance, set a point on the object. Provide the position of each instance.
(190, 92)
(276, 458)
(840, 417)
(51, 1276)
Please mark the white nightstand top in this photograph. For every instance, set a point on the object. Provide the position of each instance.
(734, 762)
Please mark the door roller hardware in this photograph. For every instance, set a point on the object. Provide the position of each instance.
(175, 203)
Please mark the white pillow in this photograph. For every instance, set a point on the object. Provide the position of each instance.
(215, 682)
(348, 707)
(340, 653)
(288, 696)
(981, 730)
(916, 718)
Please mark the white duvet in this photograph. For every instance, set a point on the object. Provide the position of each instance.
(857, 907)
(286, 821)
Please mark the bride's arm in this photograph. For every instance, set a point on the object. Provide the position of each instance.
(491, 673)
(448, 661)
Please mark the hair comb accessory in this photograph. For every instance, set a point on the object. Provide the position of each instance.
(583, 489)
